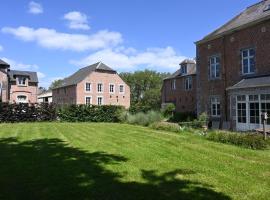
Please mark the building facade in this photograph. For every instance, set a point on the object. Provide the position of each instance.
(45, 97)
(96, 84)
(180, 88)
(17, 86)
(233, 70)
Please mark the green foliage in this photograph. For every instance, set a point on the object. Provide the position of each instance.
(90, 113)
(249, 140)
(168, 110)
(55, 83)
(144, 119)
(182, 117)
(145, 87)
(166, 126)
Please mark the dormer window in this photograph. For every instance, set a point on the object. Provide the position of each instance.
(21, 81)
(267, 8)
(184, 69)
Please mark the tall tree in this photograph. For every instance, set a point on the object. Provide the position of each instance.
(145, 87)
(55, 83)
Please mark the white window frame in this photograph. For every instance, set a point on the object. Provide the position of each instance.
(120, 89)
(102, 88)
(188, 83)
(248, 57)
(25, 101)
(112, 84)
(214, 66)
(184, 69)
(102, 101)
(173, 84)
(91, 100)
(19, 79)
(215, 101)
(85, 88)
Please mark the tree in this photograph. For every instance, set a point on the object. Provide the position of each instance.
(55, 83)
(145, 88)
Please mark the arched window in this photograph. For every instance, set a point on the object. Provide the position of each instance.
(22, 99)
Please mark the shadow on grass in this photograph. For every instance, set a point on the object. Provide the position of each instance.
(50, 169)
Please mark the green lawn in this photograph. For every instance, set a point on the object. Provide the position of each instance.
(114, 161)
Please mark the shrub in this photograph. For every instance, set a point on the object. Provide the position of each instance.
(27, 112)
(90, 113)
(182, 117)
(247, 140)
(144, 119)
(166, 126)
(168, 110)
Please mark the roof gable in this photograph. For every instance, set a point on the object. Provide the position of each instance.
(253, 14)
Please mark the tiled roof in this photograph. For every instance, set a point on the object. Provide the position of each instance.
(255, 13)
(3, 63)
(84, 72)
(191, 70)
(33, 78)
(262, 81)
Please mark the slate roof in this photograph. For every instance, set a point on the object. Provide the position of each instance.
(253, 14)
(82, 73)
(33, 78)
(190, 71)
(254, 82)
(3, 63)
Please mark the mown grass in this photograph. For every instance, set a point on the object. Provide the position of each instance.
(116, 161)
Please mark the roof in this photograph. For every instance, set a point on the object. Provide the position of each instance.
(33, 78)
(45, 94)
(253, 82)
(3, 63)
(251, 15)
(82, 73)
(191, 70)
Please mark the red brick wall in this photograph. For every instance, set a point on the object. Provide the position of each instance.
(229, 47)
(4, 81)
(30, 91)
(184, 100)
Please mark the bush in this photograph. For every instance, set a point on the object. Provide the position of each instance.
(144, 119)
(166, 126)
(249, 140)
(182, 117)
(168, 110)
(90, 113)
(27, 112)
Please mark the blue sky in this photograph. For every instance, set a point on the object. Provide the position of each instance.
(55, 38)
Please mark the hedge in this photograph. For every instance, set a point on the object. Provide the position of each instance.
(27, 112)
(90, 113)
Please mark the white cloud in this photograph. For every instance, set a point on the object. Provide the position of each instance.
(77, 20)
(35, 8)
(40, 75)
(130, 59)
(1, 48)
(19, 65)
(50, 38)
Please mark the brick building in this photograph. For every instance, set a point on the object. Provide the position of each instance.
(180, 88)
(233, 70)
(17, 86)
(96, 84)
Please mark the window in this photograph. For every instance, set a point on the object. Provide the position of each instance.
(111, 88)
(88, 87)
(99, 101)
(184, 69)
(214, 67)
(265, 105)
(188, 83)
(100, 87)
(21, 81)
(21, 99)
(173, 84)
(121, 88)
(88, 100)
(215, 107)
(254, 109)
(248, 61)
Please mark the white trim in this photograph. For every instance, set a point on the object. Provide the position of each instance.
(102, 102)
(86, 82)
(99, 64)
(124, 89)
(110, 88)
(187, 83)
(91, 100)
(26, 99)
(215, 64)
(248, 57)
(102, 88)
(215, 102)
